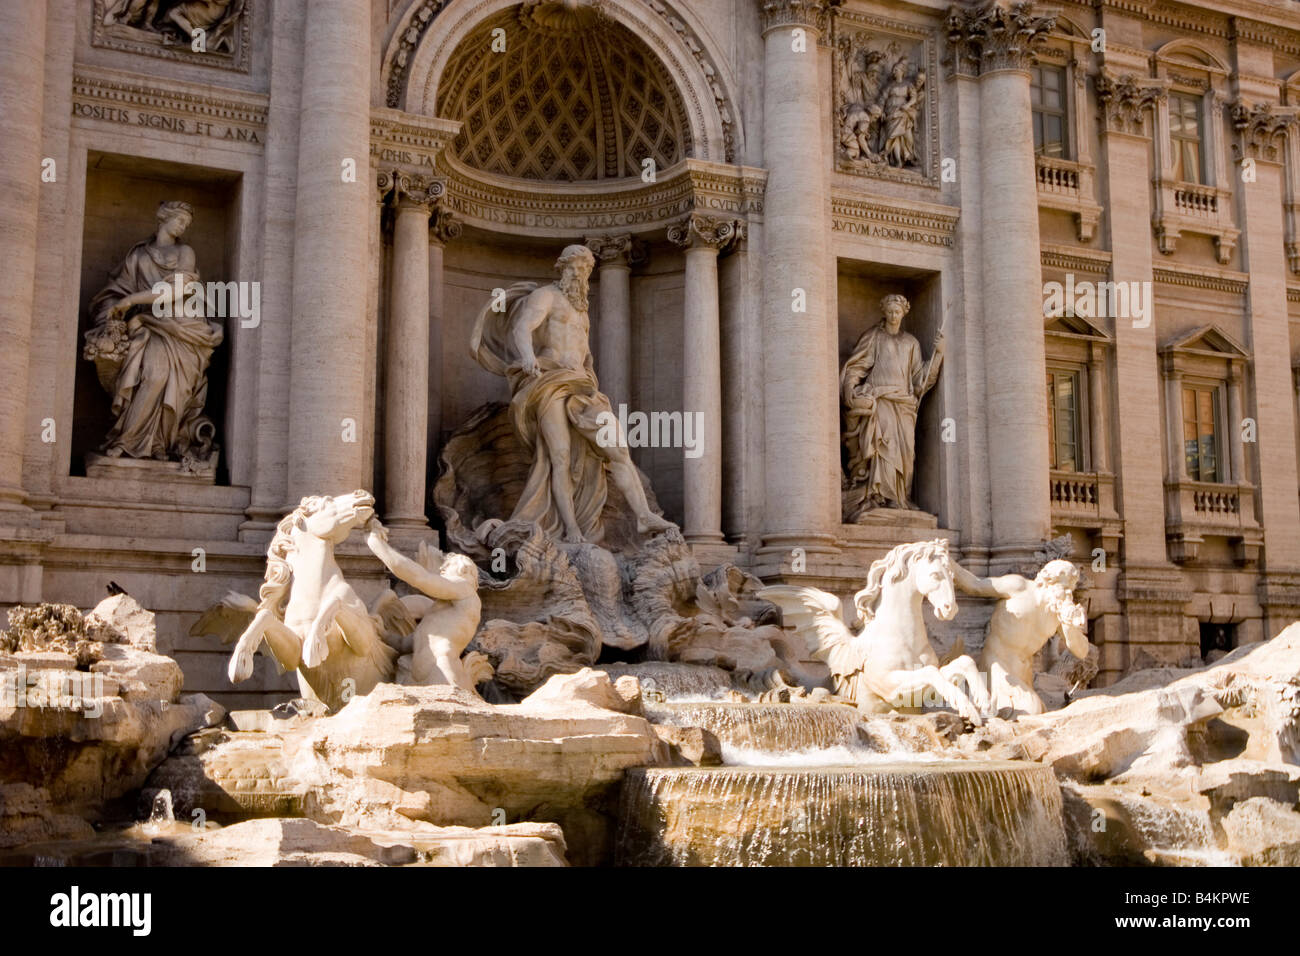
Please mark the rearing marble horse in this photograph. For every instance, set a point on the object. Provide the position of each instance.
(890, 660)
(307, 613)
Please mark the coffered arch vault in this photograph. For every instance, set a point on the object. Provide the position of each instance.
(645, 84)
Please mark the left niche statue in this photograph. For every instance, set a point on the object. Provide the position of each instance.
(151, 342)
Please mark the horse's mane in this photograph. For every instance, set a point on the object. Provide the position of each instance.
(891, 569)
(275, 585)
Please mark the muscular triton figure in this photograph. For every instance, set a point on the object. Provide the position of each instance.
(539, 342)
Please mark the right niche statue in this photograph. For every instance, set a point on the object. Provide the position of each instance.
(882, 385)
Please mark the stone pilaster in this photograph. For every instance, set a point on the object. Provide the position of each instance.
(1125, 100)
(800, 346)
(22, 97)
(614, 337)
(443, 228)
(998, 42)
(1261, 130)
(327, 374)
(702, 237)
(406, 354)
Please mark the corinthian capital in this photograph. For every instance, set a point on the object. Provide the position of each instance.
(809, 14)
(416, 190)
(1125, 98)
(701, 230)
(1261, 129)
(443, 226)
(996, 36)
(611, 249)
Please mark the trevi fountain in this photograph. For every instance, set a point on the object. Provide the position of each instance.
(642, 459)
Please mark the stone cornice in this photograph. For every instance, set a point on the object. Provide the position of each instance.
(1073, 259)
(403, 139)
(1260, 130)
(1218, 280)
(168, 105)
(996, 36)
(1123, 100)
(561, 210)
(925, 223)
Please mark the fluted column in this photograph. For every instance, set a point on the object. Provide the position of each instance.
(406, 355)
(703, 237)
(999, 41)
(443, 228)
(800, 349)
(331, 238)
(22, 78)
(614, 339)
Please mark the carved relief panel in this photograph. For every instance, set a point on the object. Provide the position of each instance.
(210, 32)
(886, 118)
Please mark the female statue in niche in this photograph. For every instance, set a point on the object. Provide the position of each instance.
(882, 385)
(151, 343)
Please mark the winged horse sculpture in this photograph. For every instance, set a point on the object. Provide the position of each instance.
(889, 660)
(308, 615)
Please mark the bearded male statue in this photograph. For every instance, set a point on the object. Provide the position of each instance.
(540, 343)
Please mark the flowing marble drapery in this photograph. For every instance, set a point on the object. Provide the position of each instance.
(882, 384)
(530, 397)
(161, 387)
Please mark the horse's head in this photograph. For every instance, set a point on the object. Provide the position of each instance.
(332, 519)
(932, 577)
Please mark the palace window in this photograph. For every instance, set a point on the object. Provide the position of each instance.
(1185, 143)
(1063, 419)
(1201, 433)
(1047, 92)
(1208, 493)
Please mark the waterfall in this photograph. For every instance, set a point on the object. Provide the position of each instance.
(949, 813)
(779, 728)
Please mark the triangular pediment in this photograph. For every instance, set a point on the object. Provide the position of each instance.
(1073, 325)
(1208, 339)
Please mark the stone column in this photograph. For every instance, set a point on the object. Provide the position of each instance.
(331, 237)
(800, 404)
(702, 237)
(443, 228)
(406, 355)
(614, 339)
(22, 97)
(1002, 41)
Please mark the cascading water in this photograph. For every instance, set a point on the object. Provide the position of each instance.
(949, 813)
(804, 786)
(780, 728)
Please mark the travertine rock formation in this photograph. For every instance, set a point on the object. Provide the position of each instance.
(402, 758)
(76, 735)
